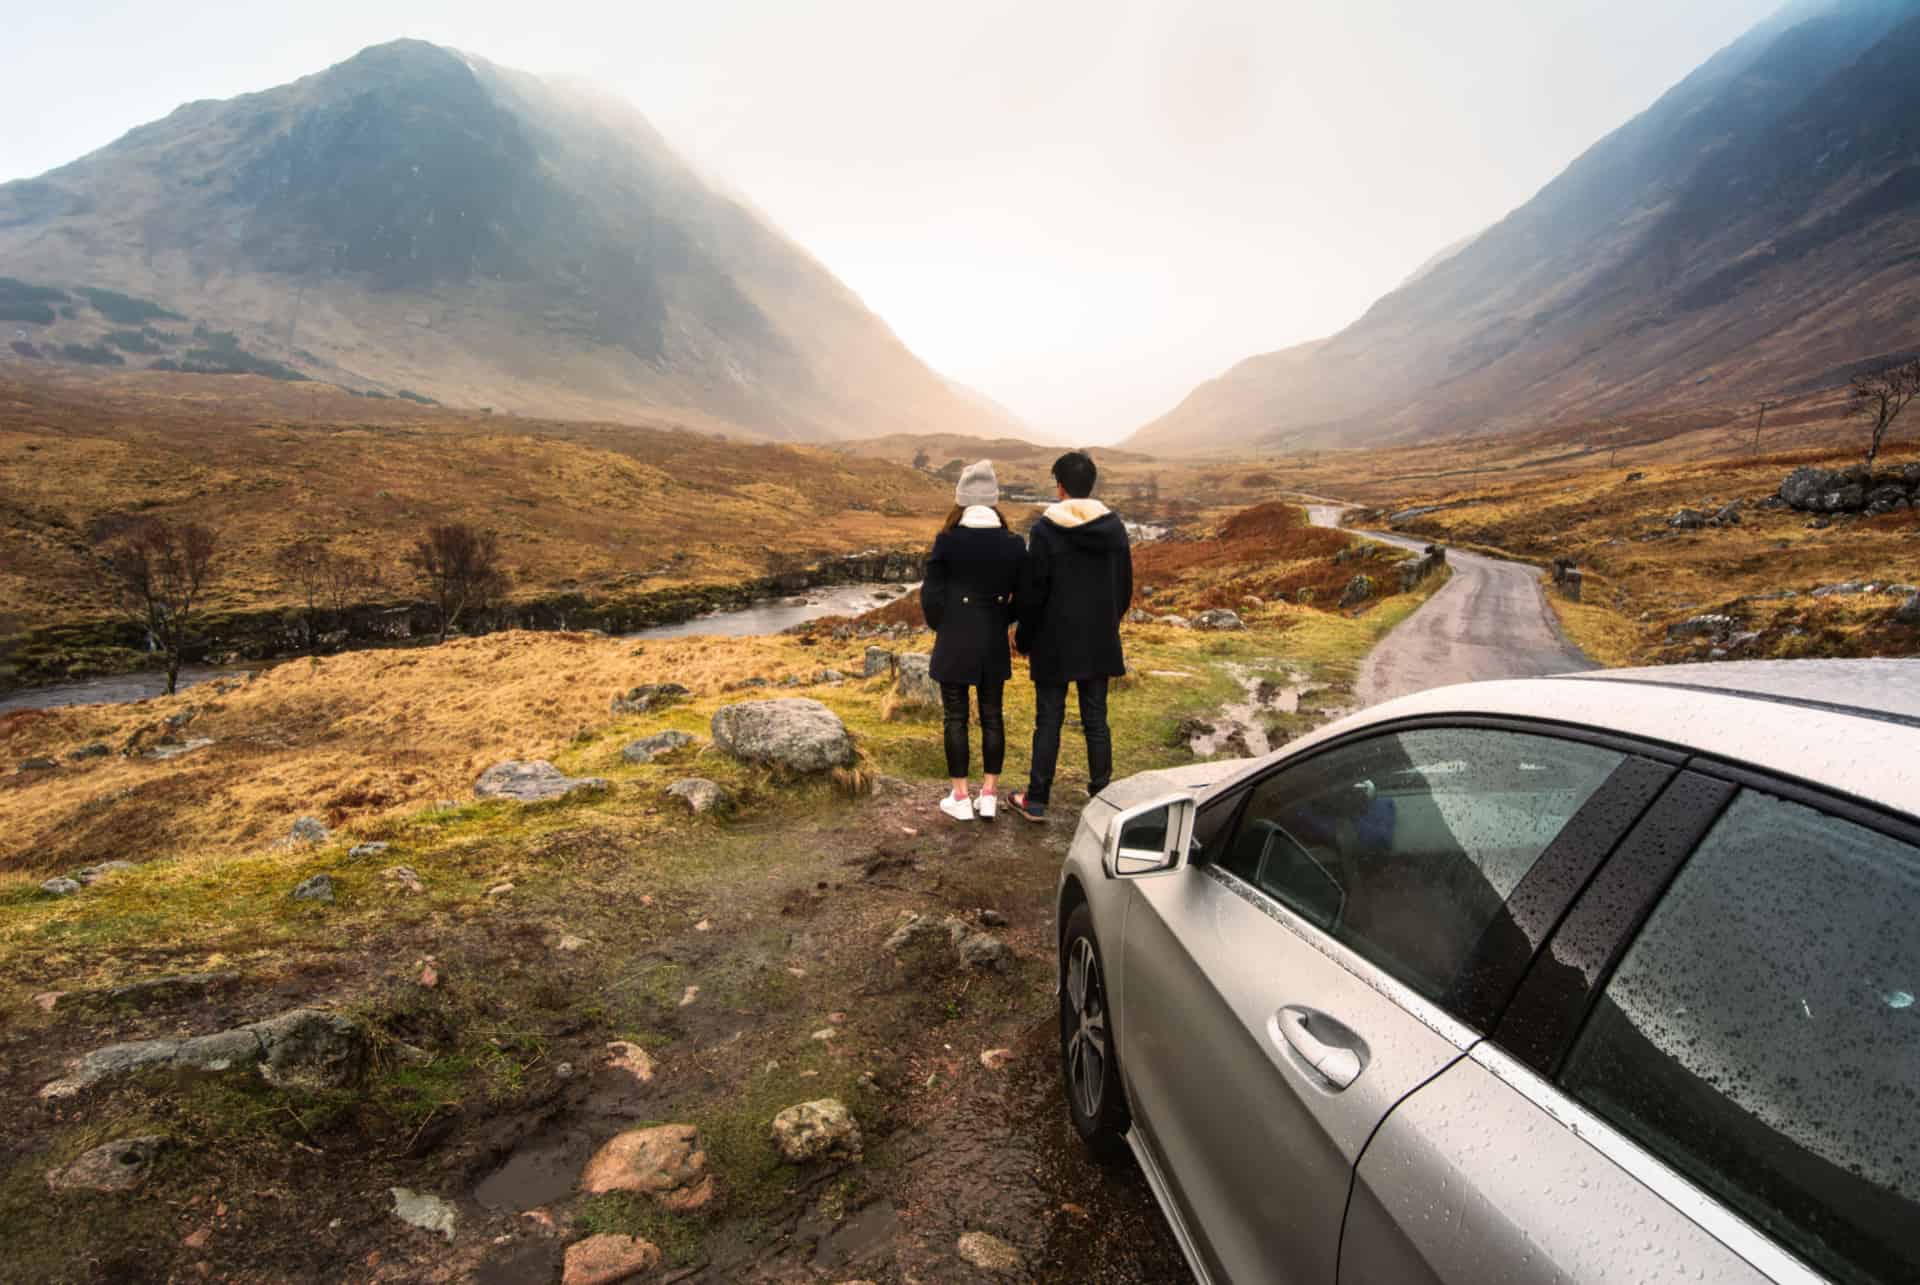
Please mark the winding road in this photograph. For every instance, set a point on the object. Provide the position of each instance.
(1491, 620)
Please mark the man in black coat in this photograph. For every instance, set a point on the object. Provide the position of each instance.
(1076, 589)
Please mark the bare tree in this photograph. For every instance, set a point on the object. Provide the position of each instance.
(350, 581)
(303, 566)
(159, 574)
(462, 569)
(1881, 395)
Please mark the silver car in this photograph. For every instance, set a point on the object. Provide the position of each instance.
(1607, 977)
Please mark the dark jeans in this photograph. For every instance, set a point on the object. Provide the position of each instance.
(1049, 715)
(993, 728)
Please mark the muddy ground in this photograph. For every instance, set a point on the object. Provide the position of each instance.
(265, 1185)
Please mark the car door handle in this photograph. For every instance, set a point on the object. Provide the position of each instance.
(1340, 1066)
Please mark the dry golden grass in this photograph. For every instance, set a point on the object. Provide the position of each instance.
(600, 509)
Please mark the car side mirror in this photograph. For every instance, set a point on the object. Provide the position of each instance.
(1151, 839)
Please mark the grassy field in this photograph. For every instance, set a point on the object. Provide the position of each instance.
(599, 509)
(722, 946)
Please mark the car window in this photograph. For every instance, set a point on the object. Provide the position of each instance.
(1761, 1034)
(1406, 846)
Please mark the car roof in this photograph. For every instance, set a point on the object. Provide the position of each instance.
(1848, 726)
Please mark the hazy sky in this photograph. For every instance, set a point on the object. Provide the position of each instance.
(1081, 209)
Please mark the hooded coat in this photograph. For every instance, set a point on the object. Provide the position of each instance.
(1077, 588)
(967, 598)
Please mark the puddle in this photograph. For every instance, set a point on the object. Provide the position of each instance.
(540, 1172)
(1240, 728)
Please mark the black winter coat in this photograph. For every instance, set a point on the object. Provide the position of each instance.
(968, 601)
(1077, 588)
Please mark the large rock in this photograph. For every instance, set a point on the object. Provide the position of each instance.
(1712, 625)
(988, 1253)
(315, 888)
(427, 1212)
(796, 735)
(1804, 488)
(1358, 590)
(534, 781)
(649, 748)
(111, 1167)
(1687, 520)
(913, 686)
(608, 1259)
(1220, 618)
(307, 1047)
(879, 661)
(648, 697)
(667, 1162)
(308, 830)
(60, 887)
(821, 1130)
(1908, 612)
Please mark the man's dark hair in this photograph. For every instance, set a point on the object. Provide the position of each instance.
(1075, 472)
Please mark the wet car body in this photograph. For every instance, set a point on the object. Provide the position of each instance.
(1601, 977)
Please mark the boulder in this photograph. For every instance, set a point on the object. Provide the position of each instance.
(1219, 619)
(1908, 612)
(916, 929)
(649, 748)
(913, 684)
(1174, 622)
(820, 1130)
(1139, 616)
(404, 878)
(534, 781)
(795, 735)
(1728, 515)
(984, 950)
(700, 795)
(1705, 626)
(1837, 590)
(95, 750)
(1887, 499)
(1804, 488)
(608, 1259)
(115, 1166)
(878, 661)
(39, 763)
(308, 830)
(1636, 477)
(362, 851)
(60, 887)
(648, 697)
(667, 1162)
(316, 888)
(1358, 590)
(1687, 520)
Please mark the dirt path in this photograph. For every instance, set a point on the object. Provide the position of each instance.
(1491, 620)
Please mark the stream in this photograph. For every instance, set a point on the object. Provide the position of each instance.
(767, 617)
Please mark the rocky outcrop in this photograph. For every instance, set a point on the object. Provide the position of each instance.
(1358, 590)
(796, 735)
(1852, 490)
(534, 781)
(307, 1048)
(820, 1130)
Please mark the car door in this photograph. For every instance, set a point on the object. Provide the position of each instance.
(1712, 1078)
(1279, 995)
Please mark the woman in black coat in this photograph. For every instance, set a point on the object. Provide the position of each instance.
(968, 601)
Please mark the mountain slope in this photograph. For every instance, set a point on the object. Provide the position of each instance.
(416, 218)
(1757, 229)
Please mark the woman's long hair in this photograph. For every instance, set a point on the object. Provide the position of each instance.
(960, 511)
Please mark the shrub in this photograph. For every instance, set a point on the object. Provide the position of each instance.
(131, 341)
(20, 301)
(412, 396)
(26, 349)
(234, 361)
(92, 354)
(124, 308)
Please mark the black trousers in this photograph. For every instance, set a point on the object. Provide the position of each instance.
(993, 727)
(1049, 716)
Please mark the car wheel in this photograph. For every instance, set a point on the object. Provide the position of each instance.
(1087, 1056)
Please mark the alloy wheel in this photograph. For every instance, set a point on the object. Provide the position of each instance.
(1087, 1040)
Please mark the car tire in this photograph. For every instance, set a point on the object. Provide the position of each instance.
(1089, 1061)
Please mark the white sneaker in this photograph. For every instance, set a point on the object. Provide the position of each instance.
(988, 807)
(958, 809)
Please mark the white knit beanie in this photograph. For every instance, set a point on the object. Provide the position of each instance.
(978, 485)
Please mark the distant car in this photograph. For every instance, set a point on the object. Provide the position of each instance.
(1594, 978)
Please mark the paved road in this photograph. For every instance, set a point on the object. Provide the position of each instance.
(1490, 621)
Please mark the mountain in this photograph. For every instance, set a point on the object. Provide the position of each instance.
(415, 218)
(1757, 230)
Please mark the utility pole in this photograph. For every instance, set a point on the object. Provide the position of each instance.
(1765, 406)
